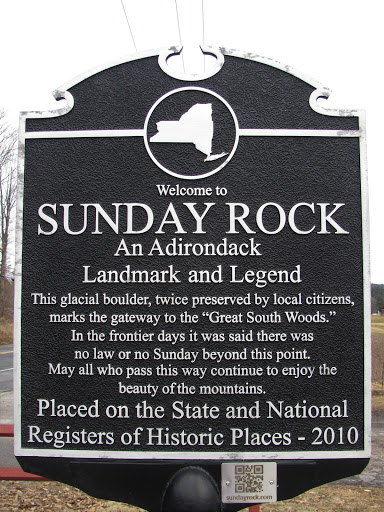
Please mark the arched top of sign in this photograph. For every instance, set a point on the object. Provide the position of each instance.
(220, 53)
(216, 52)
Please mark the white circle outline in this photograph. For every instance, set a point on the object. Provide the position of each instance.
(182, 176)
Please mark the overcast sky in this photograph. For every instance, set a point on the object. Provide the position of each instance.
(45, 44)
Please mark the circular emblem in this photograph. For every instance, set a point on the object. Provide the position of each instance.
(191, 133)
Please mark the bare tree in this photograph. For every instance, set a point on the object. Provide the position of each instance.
(8, 144)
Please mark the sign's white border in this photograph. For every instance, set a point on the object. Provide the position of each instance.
(163, 55)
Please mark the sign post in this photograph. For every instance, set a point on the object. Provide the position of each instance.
(192, 283)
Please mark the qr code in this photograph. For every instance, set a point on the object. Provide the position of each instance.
(249, 478)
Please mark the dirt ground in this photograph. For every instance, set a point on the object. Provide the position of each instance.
(56, 497)
(331, 498)
(52, 497)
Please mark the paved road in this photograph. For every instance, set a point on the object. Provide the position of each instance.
(7, 459)
(373, 475)
(6, 368)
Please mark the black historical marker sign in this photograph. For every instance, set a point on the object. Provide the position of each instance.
(192, 281)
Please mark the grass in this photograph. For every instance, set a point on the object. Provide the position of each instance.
(377, 397)
(332, 498)
(6, 331)
(377, 324)
(378, 319)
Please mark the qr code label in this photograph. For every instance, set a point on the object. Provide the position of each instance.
(249, 478)
(249, 483)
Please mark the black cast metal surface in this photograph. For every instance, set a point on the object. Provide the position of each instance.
(239, 336)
